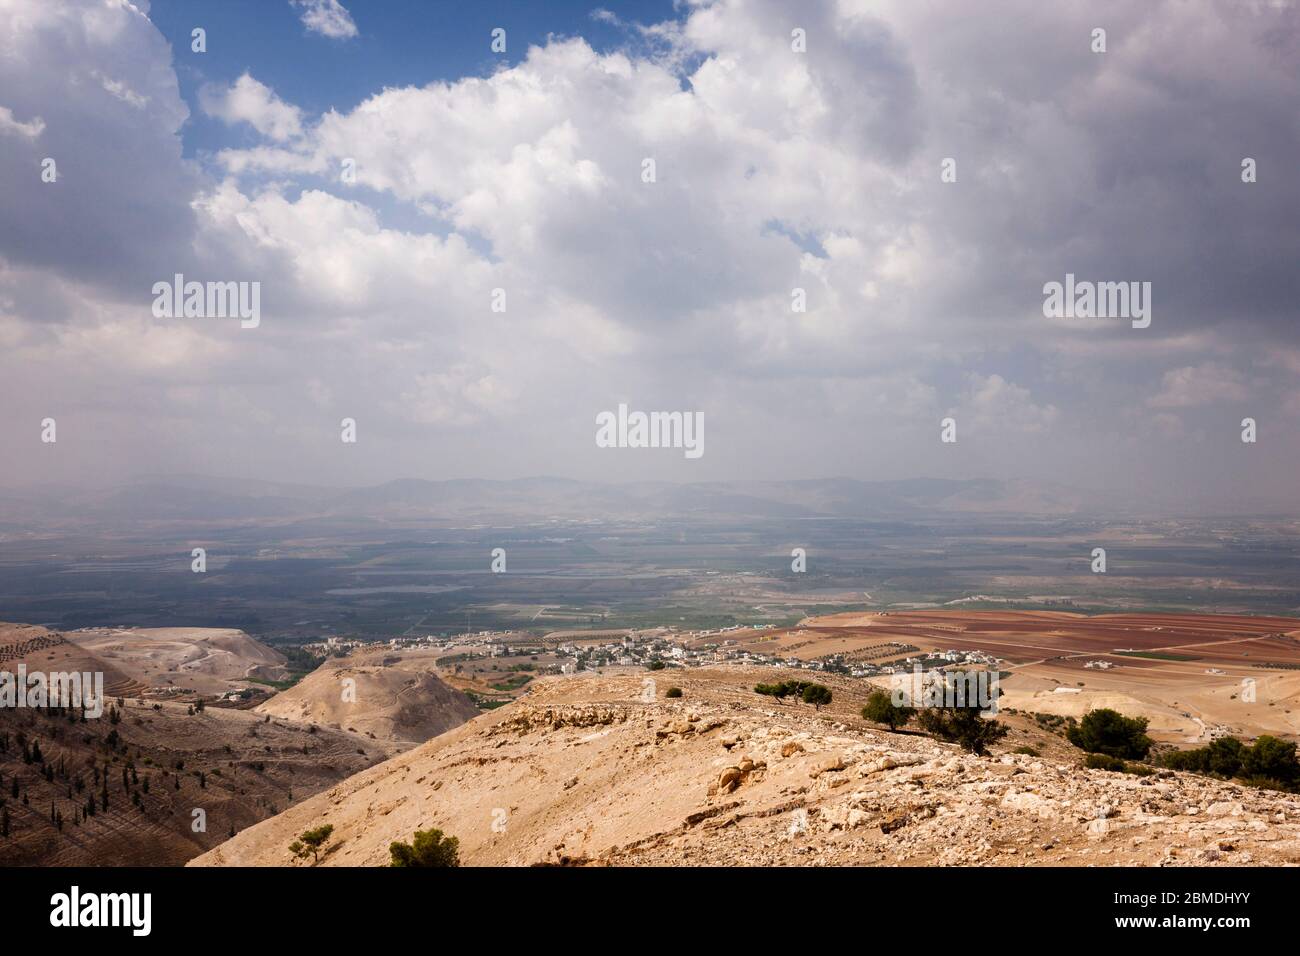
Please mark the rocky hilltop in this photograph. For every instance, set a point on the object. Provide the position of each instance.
(393, 695)
(606, 770)
(204, 660)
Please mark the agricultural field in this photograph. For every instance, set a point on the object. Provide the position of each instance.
(1193, 676)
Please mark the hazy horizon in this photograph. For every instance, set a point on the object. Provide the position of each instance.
(509, 497)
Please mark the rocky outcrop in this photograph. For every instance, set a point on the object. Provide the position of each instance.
(584, 771)
(528, 719)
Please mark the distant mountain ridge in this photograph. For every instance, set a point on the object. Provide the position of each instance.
(477, 499)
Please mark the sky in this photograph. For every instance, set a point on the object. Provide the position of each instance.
(388, 179)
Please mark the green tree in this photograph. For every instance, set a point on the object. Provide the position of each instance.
(817, 695)
(311, 841)
(1224, 755)
(1271, 759)
(881, 709)
(786, 688)
(962, 725)
(1106, 731)
(429, 848)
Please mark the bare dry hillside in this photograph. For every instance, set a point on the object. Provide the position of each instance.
(583, 770)
(160, 761)
(206, 660)
(232, 764)
(51, 652)
(398, 697)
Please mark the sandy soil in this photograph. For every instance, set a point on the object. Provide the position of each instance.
(52, 652)
(203, 659)
(397, 696)
(584, 770)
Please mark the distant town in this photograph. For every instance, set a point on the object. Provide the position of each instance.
(572, 652)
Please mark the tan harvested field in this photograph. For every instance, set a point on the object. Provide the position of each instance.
(1194, 678)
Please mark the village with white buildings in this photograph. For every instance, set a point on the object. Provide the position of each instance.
(573, 652)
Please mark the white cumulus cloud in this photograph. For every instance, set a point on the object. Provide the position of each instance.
(254, 103)
(326, 17)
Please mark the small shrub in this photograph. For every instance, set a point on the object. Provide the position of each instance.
(429, 848)
(1096, 761)
(881, 709)
(311, 842)
(808, 692)
(1270, 763)
(1271, 759)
